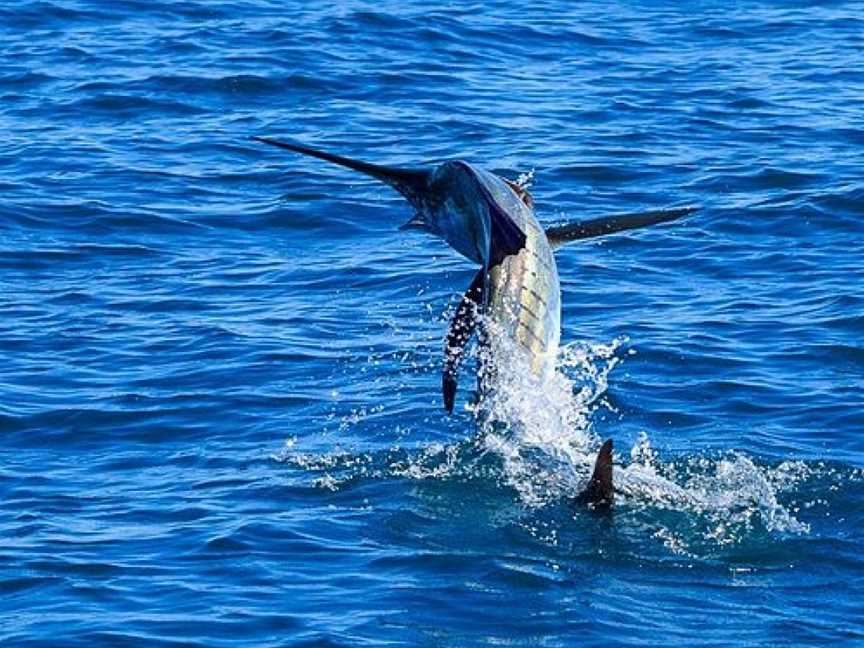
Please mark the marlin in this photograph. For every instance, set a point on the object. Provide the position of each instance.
(490, 220)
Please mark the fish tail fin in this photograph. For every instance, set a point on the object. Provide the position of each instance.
(599, 495)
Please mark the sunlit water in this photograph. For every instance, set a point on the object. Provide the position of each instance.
(219, 395)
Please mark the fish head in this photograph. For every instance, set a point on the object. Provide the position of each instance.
(454, 201)
(474, 211)
(454, 207)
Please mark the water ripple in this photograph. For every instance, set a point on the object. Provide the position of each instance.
(221, 364)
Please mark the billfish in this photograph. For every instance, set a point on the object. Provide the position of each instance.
(490, 220)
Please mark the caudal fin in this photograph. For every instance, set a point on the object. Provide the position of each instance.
(598, 495)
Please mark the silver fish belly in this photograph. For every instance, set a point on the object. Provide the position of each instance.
(525, 295)
(525, 299)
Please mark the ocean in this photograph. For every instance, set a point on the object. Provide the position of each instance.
(220, 382)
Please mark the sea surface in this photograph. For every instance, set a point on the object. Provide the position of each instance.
(220, 362)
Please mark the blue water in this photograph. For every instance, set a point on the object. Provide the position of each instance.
(219, 388)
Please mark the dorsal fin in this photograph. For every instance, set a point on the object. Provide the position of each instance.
(521, 191)
(461, 328)
(561, 234)
(599, 494)
(506, 238)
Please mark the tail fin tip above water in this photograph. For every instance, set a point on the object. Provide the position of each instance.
(599, 494)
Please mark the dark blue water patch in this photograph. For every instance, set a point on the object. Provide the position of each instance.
(35, 15)
(24, 79)
(247, 85)
(120, 107)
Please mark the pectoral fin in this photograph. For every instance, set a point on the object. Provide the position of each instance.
(610, 224)
(462, 326)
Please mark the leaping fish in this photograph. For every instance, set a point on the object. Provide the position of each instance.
(490, 220)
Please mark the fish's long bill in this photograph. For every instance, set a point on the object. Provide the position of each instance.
(561, 234)
(411, 183)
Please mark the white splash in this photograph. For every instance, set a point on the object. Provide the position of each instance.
(540, 426)
(538, 433)
(541, 430)
(525, 179)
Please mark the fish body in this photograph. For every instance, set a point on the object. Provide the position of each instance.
(525, 293)
(516, 291)
(521, 295)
